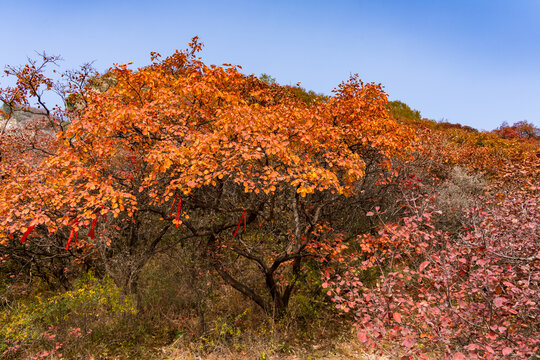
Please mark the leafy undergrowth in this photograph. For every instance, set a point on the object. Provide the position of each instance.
(95, 320)
(92, 319)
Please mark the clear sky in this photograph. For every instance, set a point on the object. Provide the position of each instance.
(474, 62)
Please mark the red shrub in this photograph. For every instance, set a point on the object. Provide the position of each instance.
(469, 295)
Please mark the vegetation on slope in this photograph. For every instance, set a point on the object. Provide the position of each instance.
(185, 208)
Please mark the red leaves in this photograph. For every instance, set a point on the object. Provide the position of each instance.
(498, 302)
(408, 342)
(507, 351)
(476, 286)
(362, 336)
(481, 262)
(423, 265)
(459, 356)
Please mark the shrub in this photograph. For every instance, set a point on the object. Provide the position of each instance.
(475, 294)
(48, 325)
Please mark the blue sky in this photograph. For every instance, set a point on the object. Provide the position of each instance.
(474, 62)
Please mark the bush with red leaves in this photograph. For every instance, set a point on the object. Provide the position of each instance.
(469, 295)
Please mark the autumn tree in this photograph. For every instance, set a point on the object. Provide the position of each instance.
(181, 151)
(520, 130)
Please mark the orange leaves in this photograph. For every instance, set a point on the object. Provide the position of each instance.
(491, 153)
(179, 125)
(303, 191)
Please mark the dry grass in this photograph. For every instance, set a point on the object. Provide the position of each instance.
(261, 351)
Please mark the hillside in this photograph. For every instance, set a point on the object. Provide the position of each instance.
(189, 211)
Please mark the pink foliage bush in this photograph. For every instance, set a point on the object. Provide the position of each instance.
(468, 296)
